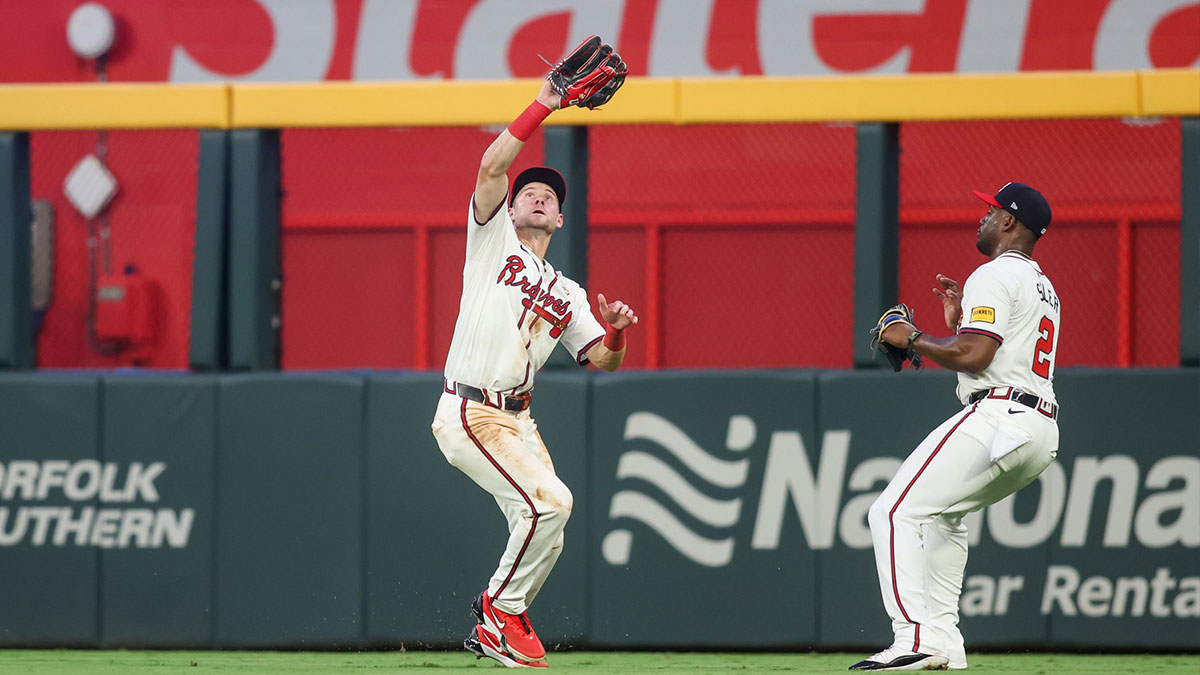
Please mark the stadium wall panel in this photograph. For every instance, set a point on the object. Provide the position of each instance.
(315, 511)
(50, 591)
(154, 591)
(289, 501)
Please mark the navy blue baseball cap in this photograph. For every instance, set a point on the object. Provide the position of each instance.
(540, 174)
(1025, 203)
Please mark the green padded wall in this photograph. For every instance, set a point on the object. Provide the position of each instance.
(156, 585)
(679, 465)
(50, 591)
(289, 511)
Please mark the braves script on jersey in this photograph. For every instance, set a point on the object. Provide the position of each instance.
(1011, 300)
(515, 308)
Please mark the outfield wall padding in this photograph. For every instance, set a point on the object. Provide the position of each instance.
(154, 591)
(315, 511)
(677, 472)
(289, 511)
(50, 592)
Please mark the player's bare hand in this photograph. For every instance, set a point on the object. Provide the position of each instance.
(547, 97)
(951, 296)
(618, 314)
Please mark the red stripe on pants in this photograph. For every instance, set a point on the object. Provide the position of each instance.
(532, 508)
(892, 527)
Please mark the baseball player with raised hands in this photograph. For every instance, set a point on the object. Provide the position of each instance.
(1007, 319)
(515, 308)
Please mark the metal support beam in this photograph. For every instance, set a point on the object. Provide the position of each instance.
(254, 248)
(567, 151)
(876, 232)
(209, 348)
(1189, 240)
(16, 219)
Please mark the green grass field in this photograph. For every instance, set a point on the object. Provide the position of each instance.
(69, 662)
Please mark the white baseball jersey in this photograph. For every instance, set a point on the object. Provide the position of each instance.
(1011, 300)
(515, 308)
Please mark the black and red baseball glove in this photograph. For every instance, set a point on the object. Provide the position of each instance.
(589, 76)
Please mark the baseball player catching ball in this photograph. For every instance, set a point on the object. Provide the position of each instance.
(1007, 319)
(515, 308)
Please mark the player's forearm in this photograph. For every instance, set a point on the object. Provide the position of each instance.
(952, 353)
(610, 352)
(606, 359)
(492, 181)
(499, 156)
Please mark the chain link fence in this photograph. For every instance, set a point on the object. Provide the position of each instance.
(1112, 249)
(734, 242)
(373, 238)
(114, 243)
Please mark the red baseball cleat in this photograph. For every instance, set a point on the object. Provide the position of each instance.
(514, 632)
(482, 643)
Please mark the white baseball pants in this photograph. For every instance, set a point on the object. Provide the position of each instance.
(504, 454)
(974, 459)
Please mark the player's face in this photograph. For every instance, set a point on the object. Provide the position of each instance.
(989, 230)
(536, 206)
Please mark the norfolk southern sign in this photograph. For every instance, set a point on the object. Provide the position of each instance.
(51, 503)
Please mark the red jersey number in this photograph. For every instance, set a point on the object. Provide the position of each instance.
(1041, 354)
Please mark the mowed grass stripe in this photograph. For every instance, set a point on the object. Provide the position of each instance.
(121, 662)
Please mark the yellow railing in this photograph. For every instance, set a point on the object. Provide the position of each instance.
(641, 101)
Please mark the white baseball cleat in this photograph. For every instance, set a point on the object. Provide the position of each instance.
(897, 659)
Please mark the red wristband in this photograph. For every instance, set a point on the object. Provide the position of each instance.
(522, 127)
(614, 338)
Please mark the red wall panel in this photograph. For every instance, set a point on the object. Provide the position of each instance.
(1156, 294)
(759, 218)
(756, 219)
(349, 300)
(448, 249)
(386, 176)
(750, 297)
(152, 224)
(721, 173)
(1096, 174)
(617, 268)
(1082, 261)
(381, 185)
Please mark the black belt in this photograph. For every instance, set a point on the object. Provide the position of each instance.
(509, 403)
(1011, 394)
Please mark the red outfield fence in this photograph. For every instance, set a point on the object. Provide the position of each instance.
(724, 211)
(734, 242)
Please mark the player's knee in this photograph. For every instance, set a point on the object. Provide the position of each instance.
(555, 501)
(454, 455)
(878, 514)
(566, 501)
(449, 451)
(907, 512)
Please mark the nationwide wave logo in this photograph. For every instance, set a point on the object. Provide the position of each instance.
(1153, 503)
(705, 468)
